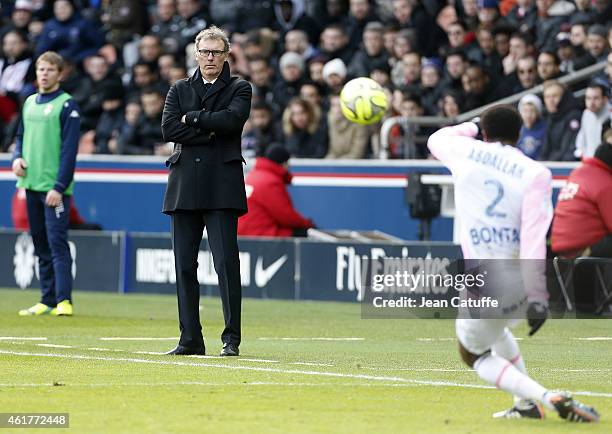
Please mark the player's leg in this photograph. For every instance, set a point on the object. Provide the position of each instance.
(477, 338)
(56, 223)
(35, 203)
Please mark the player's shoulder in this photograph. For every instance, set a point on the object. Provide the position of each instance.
(534, 167)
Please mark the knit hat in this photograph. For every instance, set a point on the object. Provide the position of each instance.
(599, 30)
(24, 5)
(488, 4)
(277, 153)
(533, 100)
(432, 62)
(334, 66)
(290, 58)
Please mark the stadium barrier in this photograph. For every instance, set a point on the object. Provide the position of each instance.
(290, 268)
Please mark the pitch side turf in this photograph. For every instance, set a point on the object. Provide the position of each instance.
(306, 367)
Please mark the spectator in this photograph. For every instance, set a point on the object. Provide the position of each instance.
(310, 92)
(315, 70)
(241, 16)
(527, 73)
(563, 123)
(578, 37)
(297, 41)
(271, 212)
(167, 26)
(523, 16)
(165, 62)
(261, 131)
(469, 14)
(565, 53)
(488, 13)
(334, 74)
(145, 136)
(98, 77)
(292, 77)
(177, 72)
(533, 130)
(519, 48)
(502, 33)
(486, 55)
(456, 64)
(596, 47)
(411, 71)
(380, 72)
(411, 15)
(346, 139)
(413, 144)
(290, 15)
(125, 19)
(457, 35)
(552, 13)
(16, 65)
(476, 87)
(584, 11)
(431, 76)
(335, 43)
(335, 11)
(305, 135)
(360, 14)
(371, 52)
(144, 76)
(261, 74)
(405, 42)
(451, 103)
(548, 66)
(582, 225)
(193, 18)
(69, 34)
(149, 50)
(21, 16)
(596, 113)
(110, 122)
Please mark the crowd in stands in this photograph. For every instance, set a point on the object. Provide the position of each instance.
(434, 57)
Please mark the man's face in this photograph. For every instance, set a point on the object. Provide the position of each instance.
(412, 67)
(176, 73)
(165, 63)
(152, 104)
(470, 7)
(502, 44)
(21, 18)
(486, 41)
(96, 67)
(166, 9)
(410, 109)
(12, 45)
(455, 66)
(310, 94)
(334, 7)
(429, 77)
(291, 73)
(402, 10)
(388, 38)
(596, 45)
(456, 35)
(475, 81)
(47, 76)
(578, 35)
(518, 48)
(143, 76)
(333, 40)
(260, 118)
(547, 68)
(149, 48)
(401, 46)
(186, 8)
(62, 10)
(260, 73)
(594, 100)
(373, 43)
(359, 9)
(334, 81)
(316, 72)
(210, 55)
(552, 98)
(295, 41)
(526, 70)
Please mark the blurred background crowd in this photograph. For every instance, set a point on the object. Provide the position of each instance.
(434, 57)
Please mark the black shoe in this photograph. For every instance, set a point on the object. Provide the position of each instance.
(230, 350)
(186, 351)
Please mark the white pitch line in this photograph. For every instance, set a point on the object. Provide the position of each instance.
(595, 338)
(201, 383)
(387, 379)
(310, 364)
(22, 338)
(311, 339)
(54, 346)
(118, 338)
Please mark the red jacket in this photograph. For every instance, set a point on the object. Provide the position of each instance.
(583, 215)
(271, 211)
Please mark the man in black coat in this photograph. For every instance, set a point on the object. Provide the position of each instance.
(204, 116)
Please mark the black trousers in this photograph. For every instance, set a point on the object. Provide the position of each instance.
(187, 230)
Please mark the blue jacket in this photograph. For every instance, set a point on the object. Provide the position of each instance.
(73, 39)
(531, 139)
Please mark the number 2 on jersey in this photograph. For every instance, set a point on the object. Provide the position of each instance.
(491, 212)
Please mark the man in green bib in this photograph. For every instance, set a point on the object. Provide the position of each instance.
(44, 159)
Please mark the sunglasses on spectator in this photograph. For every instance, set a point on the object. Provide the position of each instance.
(216, 53)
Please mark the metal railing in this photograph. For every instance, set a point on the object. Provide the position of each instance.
(436, 121)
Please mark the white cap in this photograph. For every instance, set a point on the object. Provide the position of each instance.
(334, 66)
(532, 99)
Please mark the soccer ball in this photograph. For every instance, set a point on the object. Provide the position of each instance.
(363, 101)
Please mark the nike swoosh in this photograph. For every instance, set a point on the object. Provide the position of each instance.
(263, 275)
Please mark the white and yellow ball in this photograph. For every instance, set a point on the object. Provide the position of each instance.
(363, 101)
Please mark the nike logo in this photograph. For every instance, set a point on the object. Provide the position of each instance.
(263, 275)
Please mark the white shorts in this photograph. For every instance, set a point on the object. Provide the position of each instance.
(478, 335)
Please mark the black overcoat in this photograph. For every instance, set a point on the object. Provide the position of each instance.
(206, 165)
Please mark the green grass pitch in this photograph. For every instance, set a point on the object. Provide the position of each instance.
(388, 376)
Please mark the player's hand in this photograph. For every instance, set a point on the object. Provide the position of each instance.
(537, 313)
(53, 199)
(19, 166)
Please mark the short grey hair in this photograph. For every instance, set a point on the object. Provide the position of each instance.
(214, 33)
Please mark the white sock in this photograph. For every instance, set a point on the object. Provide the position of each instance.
(508, 348)
(505, 376)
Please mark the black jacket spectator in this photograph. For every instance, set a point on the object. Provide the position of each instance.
(304, 130)
(290, 15)
(563, 126)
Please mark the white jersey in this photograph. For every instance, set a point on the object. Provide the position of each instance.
(502, 197)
